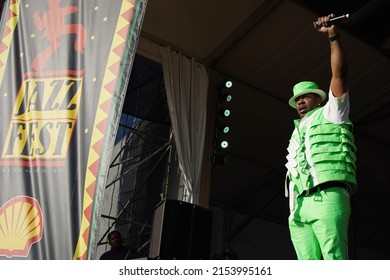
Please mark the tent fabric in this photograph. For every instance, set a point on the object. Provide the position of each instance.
(186, 84)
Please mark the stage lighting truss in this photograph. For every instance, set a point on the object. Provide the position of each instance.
(219, 159)
(221, 144)
(221, 136)
(224, 98)
(222, 127)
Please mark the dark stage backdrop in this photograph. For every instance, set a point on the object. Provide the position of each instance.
(64, 69)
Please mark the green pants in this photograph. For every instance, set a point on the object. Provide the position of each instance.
(319, 225)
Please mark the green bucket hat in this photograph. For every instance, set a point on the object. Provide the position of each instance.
(304, 88)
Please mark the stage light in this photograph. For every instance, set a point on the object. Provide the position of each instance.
(224, 144)
(226, 112)
(226, 97)
(227, 83)
(224, 128)
(223, 112)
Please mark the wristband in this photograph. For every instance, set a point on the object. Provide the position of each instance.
(334, 37)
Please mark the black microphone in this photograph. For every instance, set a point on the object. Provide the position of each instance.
(334, 20)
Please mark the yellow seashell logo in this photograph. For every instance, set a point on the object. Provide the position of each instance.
(20, 226)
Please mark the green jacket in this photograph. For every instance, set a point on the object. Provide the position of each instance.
(321, 151)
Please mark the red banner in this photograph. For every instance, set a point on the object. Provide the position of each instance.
(64, 68)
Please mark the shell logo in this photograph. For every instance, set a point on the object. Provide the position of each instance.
(21, 226)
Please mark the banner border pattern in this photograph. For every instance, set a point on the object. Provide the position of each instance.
(11, 21)
(102, 113)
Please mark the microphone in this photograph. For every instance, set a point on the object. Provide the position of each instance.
(334, 20)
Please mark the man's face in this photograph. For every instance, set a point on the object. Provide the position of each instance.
(114, 240)
(307, 102)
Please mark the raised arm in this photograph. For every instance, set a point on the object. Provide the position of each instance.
(338, 59)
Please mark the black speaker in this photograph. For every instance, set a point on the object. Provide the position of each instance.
(181, 231)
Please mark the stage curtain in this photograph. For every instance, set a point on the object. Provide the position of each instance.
(186, 82)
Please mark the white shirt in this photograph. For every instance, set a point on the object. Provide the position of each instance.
(336, 109)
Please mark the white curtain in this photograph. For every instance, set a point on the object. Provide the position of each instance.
(186, 83)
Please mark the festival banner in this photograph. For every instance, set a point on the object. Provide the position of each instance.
(64, 69)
